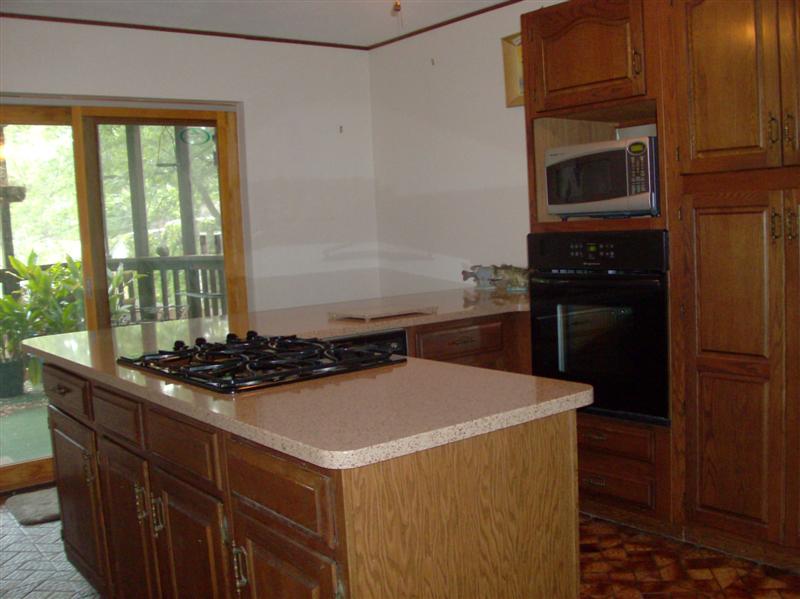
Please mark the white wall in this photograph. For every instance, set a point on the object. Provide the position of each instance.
(450, 167)
(310, 228)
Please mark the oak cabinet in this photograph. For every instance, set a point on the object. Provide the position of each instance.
(792, 213)
(564, 63)
(476, 342)
(623, 466)
(188, 528)
(735, 378)
(737, 91)
(126, 507)
(79, 496)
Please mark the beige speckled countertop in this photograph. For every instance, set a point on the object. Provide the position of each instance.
(344, 421)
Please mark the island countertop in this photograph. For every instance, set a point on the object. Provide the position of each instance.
(338, 422)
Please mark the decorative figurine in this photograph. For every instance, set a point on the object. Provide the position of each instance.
(484, 275)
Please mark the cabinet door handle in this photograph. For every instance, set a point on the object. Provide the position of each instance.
(788, 129)
(595, 481)
(239, 567)
(462, 341)
(791, 225)
(774, 130)
(88, 471)
(61, 390)
(776, 224)
(139, 498)
(637, 62)
(158, 514)
(597, 436)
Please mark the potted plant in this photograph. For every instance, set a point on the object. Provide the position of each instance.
(16, 324)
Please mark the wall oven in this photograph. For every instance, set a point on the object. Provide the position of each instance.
(599, 316)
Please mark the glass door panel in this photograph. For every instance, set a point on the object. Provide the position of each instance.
(161, 204)
(41, 290)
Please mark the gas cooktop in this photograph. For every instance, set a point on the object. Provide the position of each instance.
(256, 361)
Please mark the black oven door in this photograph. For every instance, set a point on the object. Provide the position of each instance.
(609, 332)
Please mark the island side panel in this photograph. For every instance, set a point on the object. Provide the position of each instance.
(493, 516)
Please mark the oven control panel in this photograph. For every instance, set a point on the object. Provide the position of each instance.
(611, 250)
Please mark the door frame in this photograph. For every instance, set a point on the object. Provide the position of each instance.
(83, 120)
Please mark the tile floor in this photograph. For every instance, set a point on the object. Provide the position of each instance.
(623, 563)
(33, 564)
(616, 563)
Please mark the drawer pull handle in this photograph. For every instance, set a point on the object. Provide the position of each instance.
(158, 514)
(791, 225)
(637, 62)
(61, 390)
(777, 224)
(788, 129)
(139, 497)
(239, 567)
(597, 436)
(88, 472)
(774, 129)
(462, 341)
(595, 481)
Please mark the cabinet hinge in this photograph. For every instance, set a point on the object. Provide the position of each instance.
(680, 213)
(226, 537)
(677, 153)
(683, 310)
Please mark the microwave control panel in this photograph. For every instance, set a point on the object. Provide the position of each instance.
(638, 168)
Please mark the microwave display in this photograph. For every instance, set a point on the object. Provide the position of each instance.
(614, 178)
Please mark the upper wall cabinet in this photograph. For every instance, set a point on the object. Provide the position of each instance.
(737, 92)
(584, 51)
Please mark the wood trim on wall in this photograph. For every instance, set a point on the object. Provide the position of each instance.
(23, 475)
(256, 38)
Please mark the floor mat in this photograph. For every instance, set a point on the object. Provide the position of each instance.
(35, 507)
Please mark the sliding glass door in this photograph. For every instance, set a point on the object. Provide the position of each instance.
(109, 217)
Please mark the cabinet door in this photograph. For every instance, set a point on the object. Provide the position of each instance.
(562, 44)
(735, 378)
(78, 496)
(269, 566)
(190, 552)
(789, 28)
(729, 86)
(123, 480)
(792, 213)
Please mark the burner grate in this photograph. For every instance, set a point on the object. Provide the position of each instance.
(257, 362)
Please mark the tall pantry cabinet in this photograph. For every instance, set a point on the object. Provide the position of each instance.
(736, 111)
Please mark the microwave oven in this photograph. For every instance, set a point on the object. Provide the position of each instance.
(616, 178)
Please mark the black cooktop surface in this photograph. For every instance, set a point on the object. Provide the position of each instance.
(256, 361)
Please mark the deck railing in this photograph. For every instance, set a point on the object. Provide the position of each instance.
(163, 287)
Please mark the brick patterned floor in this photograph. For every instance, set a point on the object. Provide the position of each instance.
(33, 564)
(623, 563)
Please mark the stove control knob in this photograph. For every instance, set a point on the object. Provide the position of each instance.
(251, 335)
(200, 341)
(179, 345)
(231, 338)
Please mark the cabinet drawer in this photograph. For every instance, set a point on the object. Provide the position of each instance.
(118, 415)
(285, 489)
(616, 479)
(68, 392)
(192, 449)
(634, 443)
(450, 343)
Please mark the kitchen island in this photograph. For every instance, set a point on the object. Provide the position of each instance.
(420, 479)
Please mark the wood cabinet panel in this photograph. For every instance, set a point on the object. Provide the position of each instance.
(621, 440)
(191, 555)
(284, 489)
(190, 448)
(79, 496)
(459, 341)
(561, 42)
(118, 415)
(273, 567)
(729, 88)
(623, 482)
(126, 506)
(792, 212)
(68, 392)
(735, 379)
(789, 32)
(732, 280)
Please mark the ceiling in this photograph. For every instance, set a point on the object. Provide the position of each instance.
(360, 23)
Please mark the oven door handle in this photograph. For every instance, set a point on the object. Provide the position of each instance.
(644, 283)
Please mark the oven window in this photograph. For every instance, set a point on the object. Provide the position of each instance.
(612, 336)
